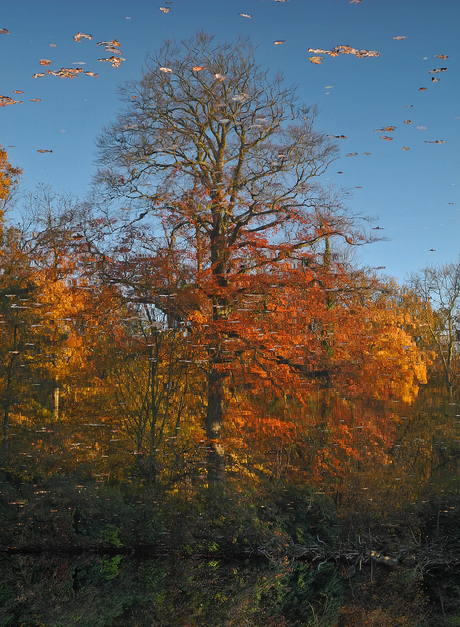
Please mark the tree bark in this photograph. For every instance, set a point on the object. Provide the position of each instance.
(214, 422)
(8, 397)
(56, 399)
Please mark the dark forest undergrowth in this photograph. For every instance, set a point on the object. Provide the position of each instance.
(99, 555)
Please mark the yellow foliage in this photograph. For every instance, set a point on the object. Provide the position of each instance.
(8, 179)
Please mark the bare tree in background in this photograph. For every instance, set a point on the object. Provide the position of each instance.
(439, 291)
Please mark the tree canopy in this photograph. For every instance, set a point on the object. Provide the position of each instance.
(214, 144)
(217, 156)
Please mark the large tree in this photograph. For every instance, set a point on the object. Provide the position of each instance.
(219, 157)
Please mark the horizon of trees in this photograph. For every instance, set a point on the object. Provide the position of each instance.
(197, 334)
(125, 348)
(211, 274)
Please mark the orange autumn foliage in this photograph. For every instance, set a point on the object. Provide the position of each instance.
(304, 359)
(9, 177)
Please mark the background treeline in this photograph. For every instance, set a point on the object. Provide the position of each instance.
(339, 499)
(210, 413)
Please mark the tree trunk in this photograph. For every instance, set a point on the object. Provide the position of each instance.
(214, 422)
(217, 378)
(56, 399)
(6, 428)
(8, 397)
(199, 250)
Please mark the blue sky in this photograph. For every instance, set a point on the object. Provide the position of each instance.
(415, 193)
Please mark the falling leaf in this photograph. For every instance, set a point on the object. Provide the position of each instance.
(316, 60)
(165, 10)
(66, 72)
(17, 91)
(406, 148)
(166, 70)
(198, 68)
(385, 129)
(351, 154)
(422, 89)
(6, 100)
(441, 69)
(112, 50)
(407, 121)
(279, 41)
(4, 31)
(43, 151)
(91, 74)
(45, 62)
(114, 43)
(114, 61)
(441, 56)
(239, 97)
(80, 36)
(400, 37)
(245, 15)
(35, 100)
(389, 139)
(438, 141)
(345, 50)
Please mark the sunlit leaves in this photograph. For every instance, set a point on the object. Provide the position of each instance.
(9, 177)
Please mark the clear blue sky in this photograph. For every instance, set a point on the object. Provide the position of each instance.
(409, 190)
